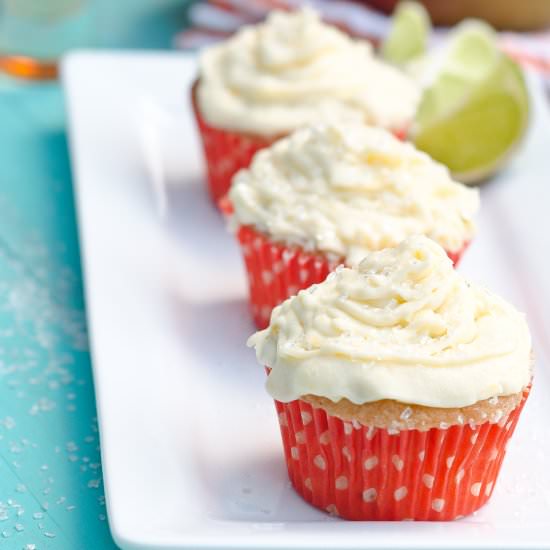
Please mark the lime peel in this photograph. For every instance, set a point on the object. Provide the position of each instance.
(408, 35)
(476, 111)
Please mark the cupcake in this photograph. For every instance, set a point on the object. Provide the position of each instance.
(331, 193)
(290, 71)
(397, 384)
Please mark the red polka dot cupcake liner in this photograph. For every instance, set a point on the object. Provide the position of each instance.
(363, 473)
(401, 133)
(276, 271)
(225, 152)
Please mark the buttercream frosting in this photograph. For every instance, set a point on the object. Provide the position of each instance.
(404, 325)
(348, 189)
(294, 70)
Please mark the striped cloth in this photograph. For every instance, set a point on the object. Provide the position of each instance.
(214, 20)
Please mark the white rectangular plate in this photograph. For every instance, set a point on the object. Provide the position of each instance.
(190, 443)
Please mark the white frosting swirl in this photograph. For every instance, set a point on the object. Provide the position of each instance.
(294, 70)
(405, 326)
(349, 189)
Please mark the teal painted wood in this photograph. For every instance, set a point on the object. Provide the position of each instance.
(50, 474)
(51, 489)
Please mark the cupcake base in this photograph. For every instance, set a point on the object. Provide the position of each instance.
(276, 271)
(359, 472)
(225, 152)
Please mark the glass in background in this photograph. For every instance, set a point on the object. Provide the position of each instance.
(34, 34)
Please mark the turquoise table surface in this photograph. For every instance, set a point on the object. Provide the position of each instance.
(51, 490)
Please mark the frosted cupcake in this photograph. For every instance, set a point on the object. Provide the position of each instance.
(398, 385)
(290, 71)
(330, 194)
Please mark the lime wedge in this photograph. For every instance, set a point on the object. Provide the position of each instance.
(408, 35)
(476, 109)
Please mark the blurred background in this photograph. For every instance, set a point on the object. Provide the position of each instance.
(51, 486)
(34, 35)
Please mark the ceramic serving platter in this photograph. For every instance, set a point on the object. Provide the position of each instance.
(190, 443)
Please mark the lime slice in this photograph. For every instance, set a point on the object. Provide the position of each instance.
(476, 109)
(408, 35)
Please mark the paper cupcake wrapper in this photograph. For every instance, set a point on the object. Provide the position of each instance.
(225, 152)
(455, 256)
(363, 473)
(276, 272)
